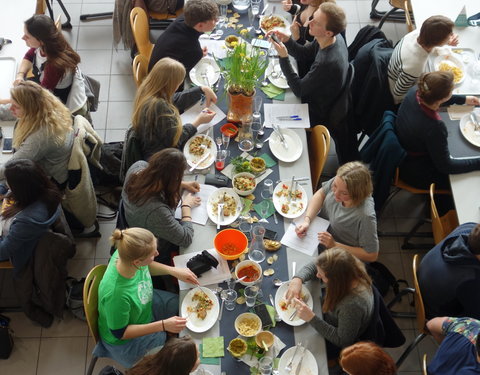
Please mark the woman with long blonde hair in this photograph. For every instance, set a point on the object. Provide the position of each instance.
(347, 305)
(44, 130)
(156, 110)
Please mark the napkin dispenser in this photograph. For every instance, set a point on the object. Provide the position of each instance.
(201, 263)
(216, 180)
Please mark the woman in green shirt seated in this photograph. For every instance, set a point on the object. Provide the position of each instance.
(133, 317)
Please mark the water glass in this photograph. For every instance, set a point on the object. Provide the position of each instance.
(225, 141)
(220, 159)
(245, 227)
(223, 14)
(255, 4)
(251, 293)
(265, 365)
(267, 192)
(229, 296)
(257, 126)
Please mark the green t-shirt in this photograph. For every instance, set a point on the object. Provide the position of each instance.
(123, 301)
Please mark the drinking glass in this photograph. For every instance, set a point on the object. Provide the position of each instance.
(223, 15)
(251, 295)
(255, 4)
(264, 206)
(257, 126)
(251, 18)
(220, 159)
(256, 251)
(265, 365)
(245, 227)
(229, 296)
(225, 141)
(267, 192)
(245, 136)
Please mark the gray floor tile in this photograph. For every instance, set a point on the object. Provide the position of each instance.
(115, 135)
(121, 62)
(59, 354)
(412, 362)
(352, 31)
(24, 357)
(71, 36)
(95, 37)
(122, 88)
(350, 9)
(103, 245)
(102, 362)
(96, 61)
(119, 116)
(389, 245)
(69, 326)
(99, 118)
(104, 86)
(22, 326)
(73, 9)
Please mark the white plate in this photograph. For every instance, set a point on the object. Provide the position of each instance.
(294, 144)
(309, 363)
(451, 59)
(296, 207)
(285, 314)
(280, 81)
(467, 129)
(194, 159)
(195, 324)
(284, 29)
(207, 65)
(213, 198)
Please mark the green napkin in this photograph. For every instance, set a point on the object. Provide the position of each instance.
(207, 361)
(273, 92)
(213, 347)
(269, 162)
(271, 312)
(247, 204)
(271, 208)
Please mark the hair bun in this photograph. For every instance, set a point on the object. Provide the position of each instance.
(117, 234)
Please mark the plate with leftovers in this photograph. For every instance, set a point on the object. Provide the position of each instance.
(290, 203)
(308, 364)
(274, 22)
(275, 75)
(467, 128)
(284, 310)
(294, 148)
(205, 73)
(201, 307)
(196, 148)
(451, 63)
(231, 209)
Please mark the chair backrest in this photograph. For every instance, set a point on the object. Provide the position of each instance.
(424, 365)
(6, 265)
(407, 8)
(90, 298)
(319, 147)
(140, 69)
(441, 225)
(141, 31)
(419, 306)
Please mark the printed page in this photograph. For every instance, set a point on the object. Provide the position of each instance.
(308, 244)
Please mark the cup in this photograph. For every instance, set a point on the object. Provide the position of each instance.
(229, 297)
(257, 127)
(251, 293)
(220, 159)
(267, 192)
(265, 365)
(225, 140)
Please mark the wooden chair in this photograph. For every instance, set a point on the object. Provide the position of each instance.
(424, 365)
(318, 148)
(419, 311)
(5, 265)
(140, 69)
(441, 225)
(141, 32)
(404, 5)
(90, 304)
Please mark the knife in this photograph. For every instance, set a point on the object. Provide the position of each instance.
(202, 159)
(276, 129)
(299, 367)
(289, 192)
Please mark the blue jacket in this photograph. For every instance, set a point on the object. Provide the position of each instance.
(27, 227)
(449, 277)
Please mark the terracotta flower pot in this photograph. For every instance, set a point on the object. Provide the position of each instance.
(240, 106)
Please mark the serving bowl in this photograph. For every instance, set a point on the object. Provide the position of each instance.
(248, 324)
(240, 181)
(230, 243)
(248, 268)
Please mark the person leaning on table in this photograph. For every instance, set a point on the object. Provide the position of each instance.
(133, 318)
(348, 301)
(346, 201)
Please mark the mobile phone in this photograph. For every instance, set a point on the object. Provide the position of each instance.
(270, 234)
(275, 38)
(261, 43)
(7, 146)
(262, 312)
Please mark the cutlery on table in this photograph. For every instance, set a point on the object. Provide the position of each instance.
(275, 217)
(290, 363)
(290, 191)
(264, 9)
(299, 366)
(205, 78)
(276, 129)
(202, 159)
(294, 314)
(221, 203)
(277, 317)
(476, 125)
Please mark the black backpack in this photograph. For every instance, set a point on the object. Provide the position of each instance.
(383, 278)
(365, 35)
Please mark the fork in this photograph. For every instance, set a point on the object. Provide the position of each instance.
(221, 203)
(205, 78)
(305, 299)
(288, 368)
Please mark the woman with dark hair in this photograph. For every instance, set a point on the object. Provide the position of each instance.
(151, 194)
(347, 303)
(423, 134)
(30, 207)
(179, 356)
(53, 62)
(366, 358)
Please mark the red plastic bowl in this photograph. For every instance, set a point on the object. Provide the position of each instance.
(235, 240)
(229, 129)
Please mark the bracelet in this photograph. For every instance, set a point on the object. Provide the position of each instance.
(163, 325)
(186, 205)
(186, 217)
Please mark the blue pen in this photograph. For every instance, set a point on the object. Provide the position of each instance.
(288, 117)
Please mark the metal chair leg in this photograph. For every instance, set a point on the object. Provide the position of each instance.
(407, 351)
(91, 366)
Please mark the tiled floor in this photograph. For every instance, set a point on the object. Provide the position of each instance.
(66, 347)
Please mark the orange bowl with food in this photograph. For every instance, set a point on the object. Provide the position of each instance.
(230, 243)
(249, 269)
(229, 130)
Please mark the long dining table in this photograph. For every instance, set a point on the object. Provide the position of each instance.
(204, 235)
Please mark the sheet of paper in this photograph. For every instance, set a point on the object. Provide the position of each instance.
(456, 112)
(199, 213)
(214, 276)
(191, 114)
(215, 47)
(308, 244)
(273, 111)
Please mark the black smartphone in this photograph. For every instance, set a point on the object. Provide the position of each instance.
(275, 38)
(262, 312)
(7, 146)
(270, 234)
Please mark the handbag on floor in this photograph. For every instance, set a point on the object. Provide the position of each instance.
(6, 338)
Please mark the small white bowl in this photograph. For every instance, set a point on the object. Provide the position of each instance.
(255, 320)
(244, 192)
(247, 263)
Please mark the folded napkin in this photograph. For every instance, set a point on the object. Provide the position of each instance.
(271, 312)
(213, 347)
(271, 208)
(207, 361)
(247, 204)
(273, 92)
(269, 162)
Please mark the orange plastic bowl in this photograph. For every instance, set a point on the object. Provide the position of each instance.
(229, 129)
(230, 243)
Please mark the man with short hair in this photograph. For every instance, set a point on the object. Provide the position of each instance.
(180, 40)
(411, 54)
(449, 274)
(459, 340)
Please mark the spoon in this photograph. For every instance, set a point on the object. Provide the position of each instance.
(265, 345)
(240, 279)
(278, 282)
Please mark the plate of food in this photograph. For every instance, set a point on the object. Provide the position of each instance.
(288, 203)
(451, 63)
(274, 22)
(467, 128)
(231, 209)
(201, 308)
(196, 148)
(293, 149)
(205, 73)
(284, 310)
(308, 365)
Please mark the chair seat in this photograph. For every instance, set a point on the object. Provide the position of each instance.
(6, 265)
(165, 16)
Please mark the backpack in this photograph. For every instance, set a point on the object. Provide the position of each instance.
(365, 35)
(383, 278)
(74, 300)
(6, 338)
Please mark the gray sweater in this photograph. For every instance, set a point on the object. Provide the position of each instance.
(156, 216)
(349, 319)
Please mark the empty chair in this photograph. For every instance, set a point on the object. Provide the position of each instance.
(140, 69)
(141, 31)
(318, 148)
(441, 225)
(403, 5)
